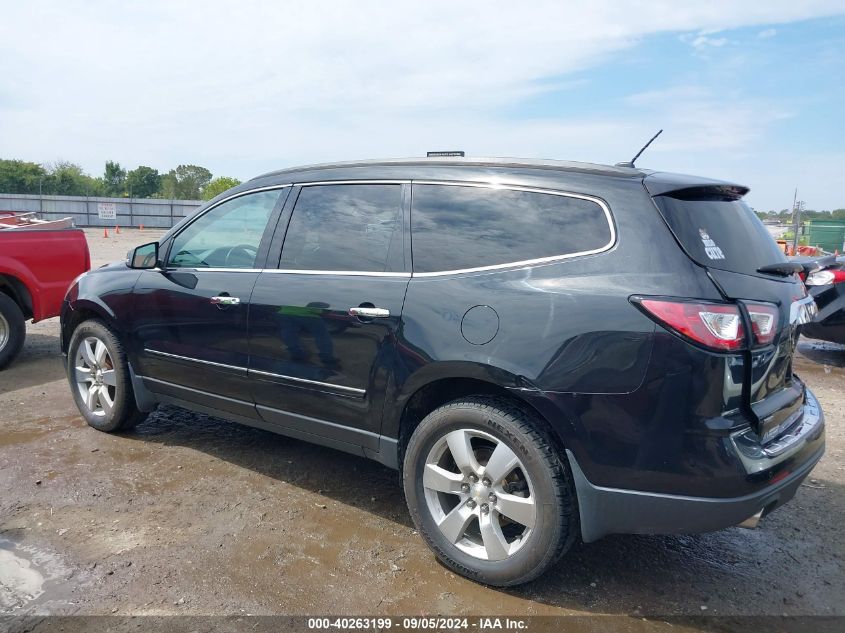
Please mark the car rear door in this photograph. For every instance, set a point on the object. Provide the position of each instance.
(190, 318)
(722, 234)
(323, 324)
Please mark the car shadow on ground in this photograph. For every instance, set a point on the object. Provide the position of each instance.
(345, 478)
(38, 364)
(772, 570)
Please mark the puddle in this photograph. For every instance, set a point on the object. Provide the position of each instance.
(31, 578)
(10, 437)
(20, 582)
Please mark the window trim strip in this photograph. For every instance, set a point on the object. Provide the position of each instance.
(347, 273)
(288, 271)
(377, 181)
(238, 195)
(449, 183)
(340, 389)
(155, 352)
(527, 262)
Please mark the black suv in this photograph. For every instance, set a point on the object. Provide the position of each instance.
(546, 350)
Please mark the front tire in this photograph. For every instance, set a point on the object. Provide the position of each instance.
(12, 330)
(488, 491)
(98, 372)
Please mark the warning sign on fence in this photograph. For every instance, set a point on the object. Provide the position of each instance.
(107, 210)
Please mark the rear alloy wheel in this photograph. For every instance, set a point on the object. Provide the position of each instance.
(98, 373)
(488, 491)
(486, 511)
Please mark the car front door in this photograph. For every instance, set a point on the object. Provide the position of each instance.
(323, 325)
(191, 317)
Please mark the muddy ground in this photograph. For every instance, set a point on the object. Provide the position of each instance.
(193, 515)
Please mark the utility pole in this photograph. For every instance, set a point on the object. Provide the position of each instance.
(799, 205)
(795, 221)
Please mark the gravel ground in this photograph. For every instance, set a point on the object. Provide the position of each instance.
(193, 515)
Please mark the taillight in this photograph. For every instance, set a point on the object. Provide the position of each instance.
(714, 325)
(824, 277)
(764, 321)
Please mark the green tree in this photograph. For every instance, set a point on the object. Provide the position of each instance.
(143, 182)
(68, 179)
(17, 176)
(114, 179)
(186, 182)
(218, 186)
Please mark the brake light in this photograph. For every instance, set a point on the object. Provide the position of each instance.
(714, 325)
(825, 277)
(764, 322)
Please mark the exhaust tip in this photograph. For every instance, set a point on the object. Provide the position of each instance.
(751, 522)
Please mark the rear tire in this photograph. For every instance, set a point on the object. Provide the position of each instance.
(488, 491)
(98, 373)
(12, 330)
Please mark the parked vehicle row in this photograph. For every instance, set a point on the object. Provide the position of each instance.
(37, 265)
(547, 350)
(825, 280)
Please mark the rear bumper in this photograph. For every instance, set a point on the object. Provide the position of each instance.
(605, 510)
(832, 333)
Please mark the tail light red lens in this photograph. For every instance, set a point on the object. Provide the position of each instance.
(764, 322)
(714, 325)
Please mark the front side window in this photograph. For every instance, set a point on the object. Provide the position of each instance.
(461, 227)
(348, 228)
(227, 236)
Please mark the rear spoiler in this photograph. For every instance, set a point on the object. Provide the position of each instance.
(692, 187)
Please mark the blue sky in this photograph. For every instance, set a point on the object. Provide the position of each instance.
(750, 92)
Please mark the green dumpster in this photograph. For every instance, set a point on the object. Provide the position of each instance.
(828, 234)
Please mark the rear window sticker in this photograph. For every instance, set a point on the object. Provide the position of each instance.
(710, 248)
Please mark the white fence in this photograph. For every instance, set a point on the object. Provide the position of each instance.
(151, 212)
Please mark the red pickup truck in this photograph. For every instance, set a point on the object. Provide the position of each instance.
(37, 265)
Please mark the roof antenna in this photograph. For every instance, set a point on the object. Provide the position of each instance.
(630, 163)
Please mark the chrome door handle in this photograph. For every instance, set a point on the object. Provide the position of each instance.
(369, 313)
(225, 301)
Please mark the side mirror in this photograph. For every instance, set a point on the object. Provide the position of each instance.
(143, 257)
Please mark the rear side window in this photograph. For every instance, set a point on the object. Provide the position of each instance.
(720, 233)
(347, 228)
(462, 227)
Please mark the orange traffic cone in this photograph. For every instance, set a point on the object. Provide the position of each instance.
(117, 229)
(141, 228)
(105, 232)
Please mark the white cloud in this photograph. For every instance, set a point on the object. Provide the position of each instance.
(703, 41)
(703, 121)
(247, 86)
(767, 33)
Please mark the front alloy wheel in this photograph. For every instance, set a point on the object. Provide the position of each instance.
(95, 376)
(99, 377)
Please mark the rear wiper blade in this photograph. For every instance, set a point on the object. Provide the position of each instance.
(785, 269)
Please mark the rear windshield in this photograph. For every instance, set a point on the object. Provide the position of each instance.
(721, 233)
